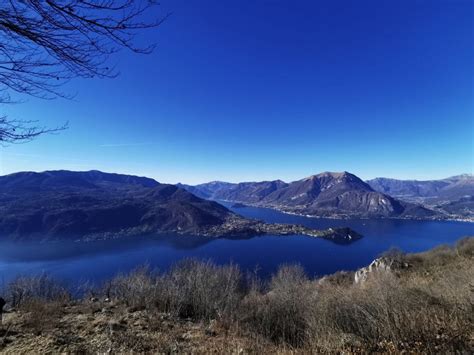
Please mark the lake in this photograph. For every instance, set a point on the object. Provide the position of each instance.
(97, 261)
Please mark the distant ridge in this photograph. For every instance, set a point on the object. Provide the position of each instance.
(443, 190)
(69, 179)
(327, 194)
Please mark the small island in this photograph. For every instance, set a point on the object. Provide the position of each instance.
(237, 226)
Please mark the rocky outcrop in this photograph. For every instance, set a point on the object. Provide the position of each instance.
(379, 265)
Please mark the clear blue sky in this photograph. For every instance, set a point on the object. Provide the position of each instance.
(254, 90)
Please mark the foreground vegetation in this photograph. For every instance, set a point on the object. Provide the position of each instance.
(424, 303)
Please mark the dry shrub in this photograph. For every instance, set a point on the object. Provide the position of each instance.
(339, 278)
(137, 289)
(438, 256)
(26, 289)
(386, 308)
(202, 290)
(465, 247)
(41, 298)
(406, 307)
(282, 313)
(395, 255)
(191, 289)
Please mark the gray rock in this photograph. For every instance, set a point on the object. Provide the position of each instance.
(378, 265)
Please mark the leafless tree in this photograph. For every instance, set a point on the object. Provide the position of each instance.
(45, 43)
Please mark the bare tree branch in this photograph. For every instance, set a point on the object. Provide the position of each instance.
(14, 131)
(45, 43)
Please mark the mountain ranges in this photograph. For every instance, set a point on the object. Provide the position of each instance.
(97, 205)
(344, 195)
(93, 204)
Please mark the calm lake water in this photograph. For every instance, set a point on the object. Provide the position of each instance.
(96, 261)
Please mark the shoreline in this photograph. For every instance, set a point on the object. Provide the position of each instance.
(240, 228)
(346, 217)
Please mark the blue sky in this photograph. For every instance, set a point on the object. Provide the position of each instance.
(258, 90)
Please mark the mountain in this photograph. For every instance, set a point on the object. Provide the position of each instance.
(428, 191)
(66, 203)
(327, 194)
(93, 204)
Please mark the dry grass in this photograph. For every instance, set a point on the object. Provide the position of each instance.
(425, 306)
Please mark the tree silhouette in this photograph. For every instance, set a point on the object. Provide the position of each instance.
(45, 43)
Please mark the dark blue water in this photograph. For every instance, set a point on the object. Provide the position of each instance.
(96, 261)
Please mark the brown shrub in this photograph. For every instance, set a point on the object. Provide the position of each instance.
(191, 289)
(395, 255)
(137, 289)
(387, 308)
(465, 247)
(24, 290)
(202, 290)
(339, 278)
(282, 313)
(41, 298)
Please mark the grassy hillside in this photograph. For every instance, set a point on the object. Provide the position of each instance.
(424, 303)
